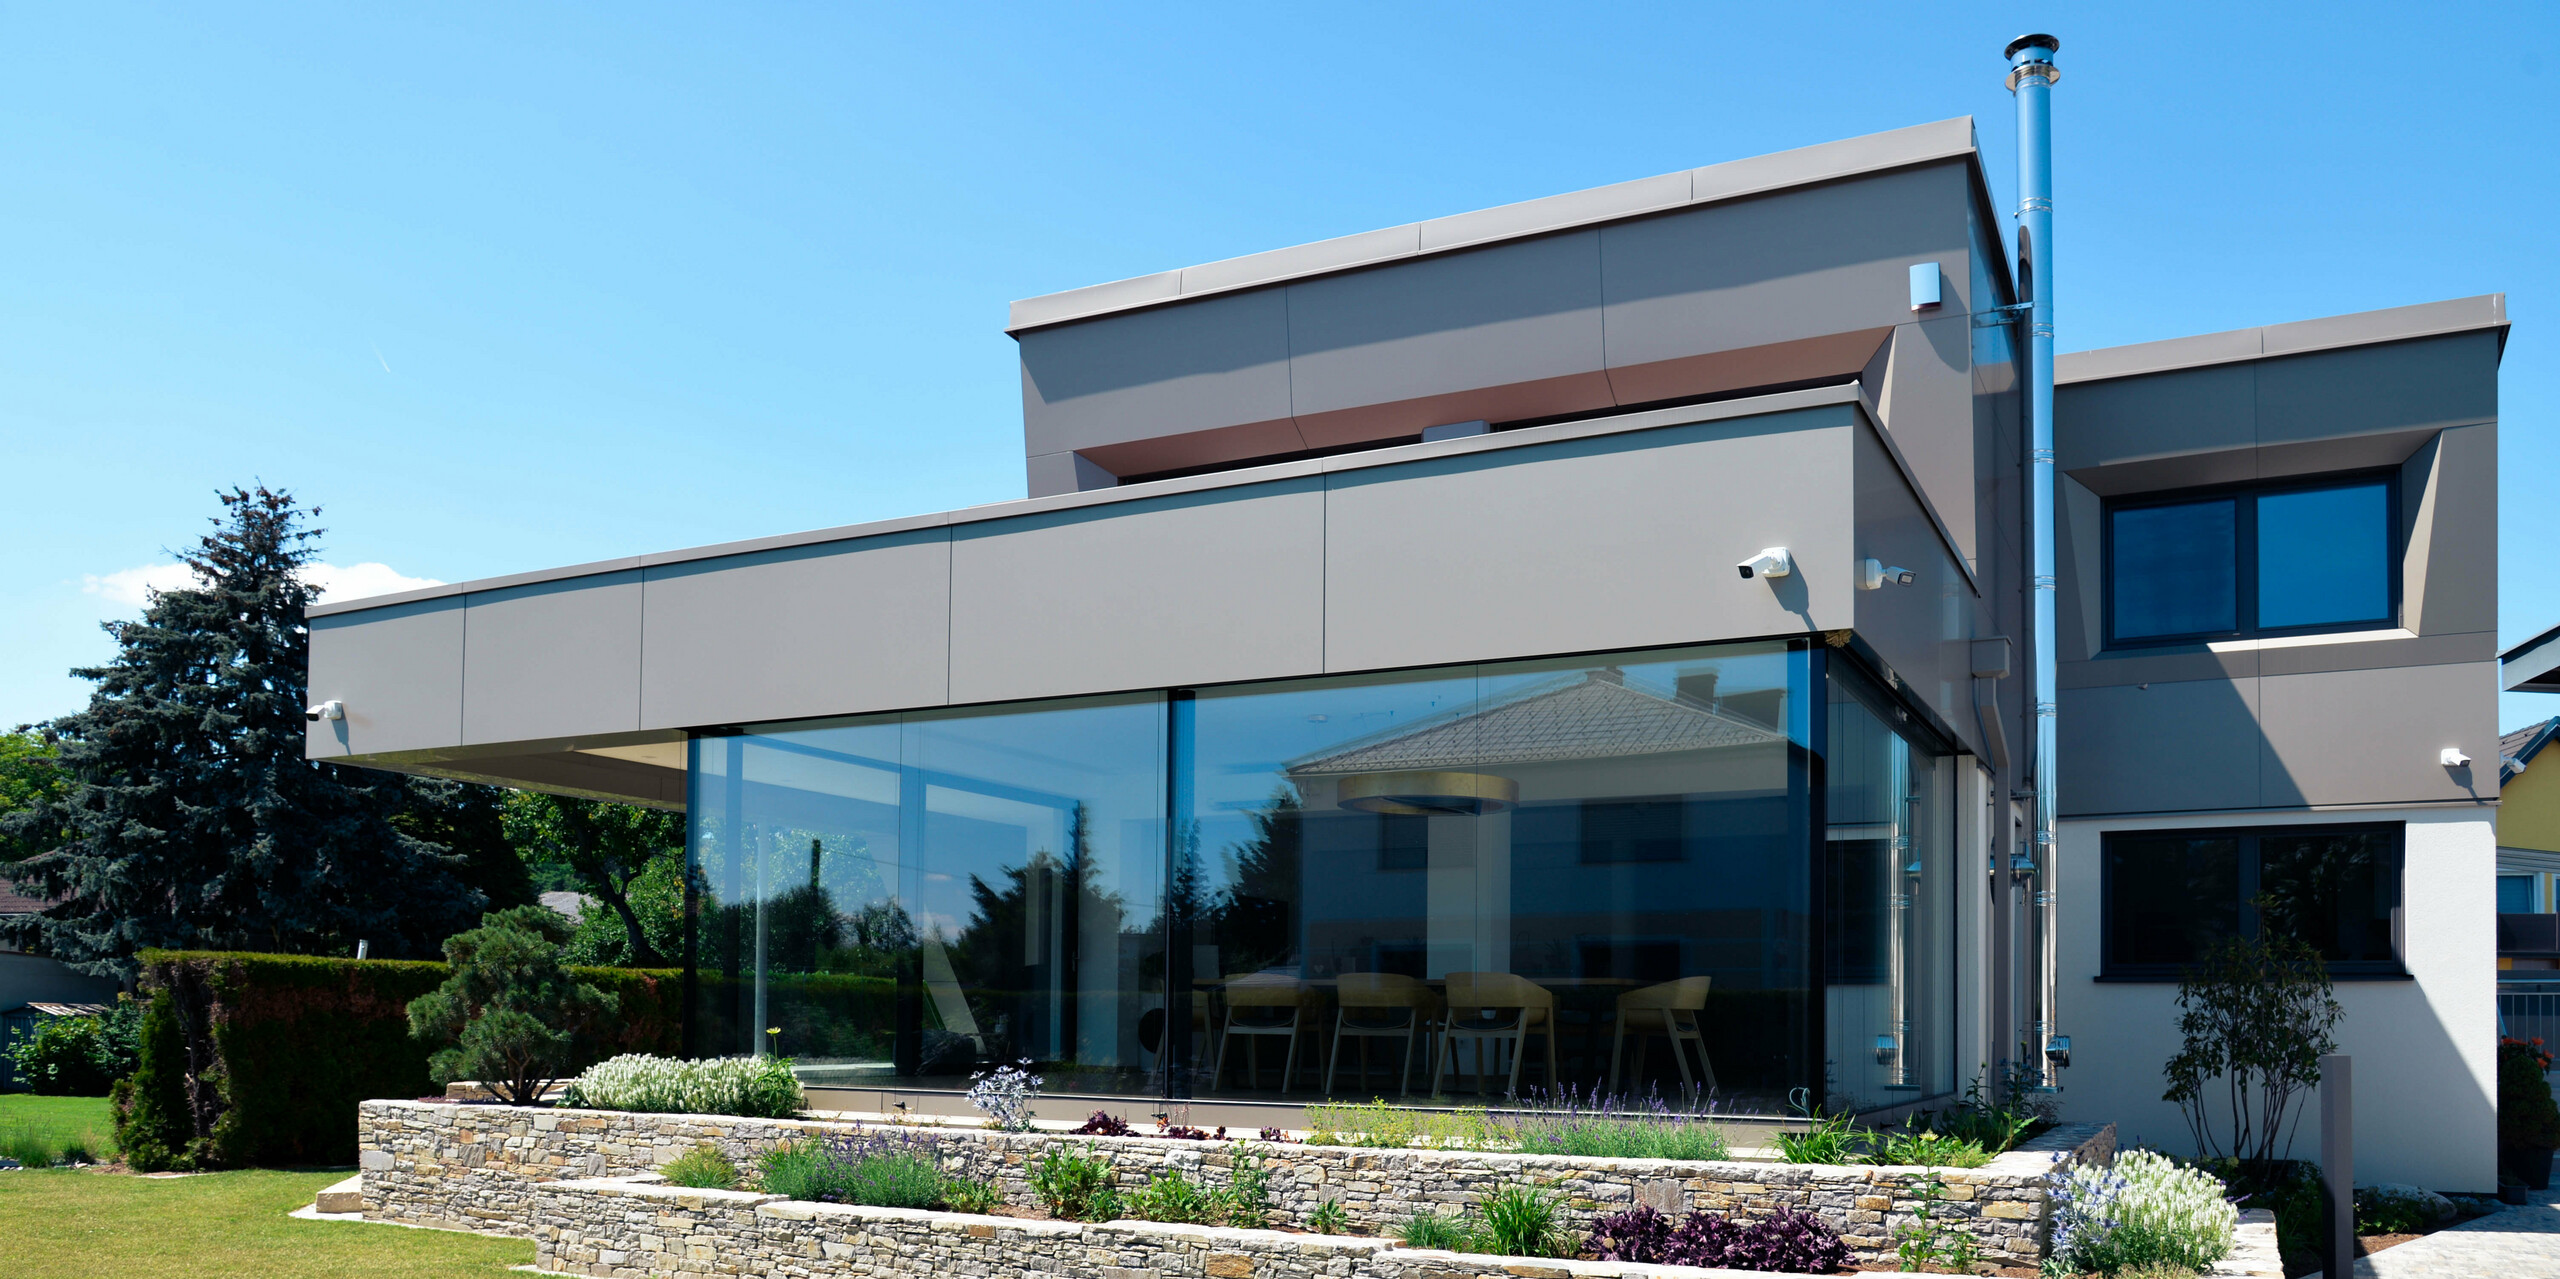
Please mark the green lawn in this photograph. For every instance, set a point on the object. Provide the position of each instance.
(93, 1225)
(35, 1131)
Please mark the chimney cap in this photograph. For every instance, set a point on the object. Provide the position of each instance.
(2037, 41)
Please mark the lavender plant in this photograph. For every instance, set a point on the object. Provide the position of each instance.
(1005, 1095)
(1620, 1126)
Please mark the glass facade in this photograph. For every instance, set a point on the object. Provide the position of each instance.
(1593, 871)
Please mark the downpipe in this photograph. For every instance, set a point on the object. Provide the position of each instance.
(2032, 75)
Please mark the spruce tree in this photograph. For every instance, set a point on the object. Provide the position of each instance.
(189, 818)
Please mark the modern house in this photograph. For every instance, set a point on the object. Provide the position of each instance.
(1597, 617)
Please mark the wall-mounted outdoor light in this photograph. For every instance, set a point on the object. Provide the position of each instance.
(1924, 286)
(1885, 1050)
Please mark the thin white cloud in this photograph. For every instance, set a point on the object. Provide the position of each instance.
(132, 587)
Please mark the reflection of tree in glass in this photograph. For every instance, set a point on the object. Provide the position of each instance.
(2319, 888)
(1253, 917)
(1023, 931)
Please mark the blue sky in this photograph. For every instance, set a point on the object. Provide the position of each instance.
(524, 285)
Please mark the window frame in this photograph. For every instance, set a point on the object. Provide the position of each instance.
(2396, 836)
(2245, 496)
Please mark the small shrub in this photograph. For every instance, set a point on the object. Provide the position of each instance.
(510, 1014)
(1827, 1139)
(1640, 1234)
(960, 1194)
(1788, 1240)
(2394, 1210)
(1172, 1197)
(1103, 1124)
(702, 1168)
(1432, 1230)
(1377, 1124)
(794, 1171)
(1004, 1095)
(1329, 1219)
(1932, 1237)
(1998, 1124)
(2527, 1117)
(80, 1056)
(757, 1087)
(2146, 1210)
(1521, 1222)
(1248, 1193)
(1930, 1150)
(1075, 1186)
(2255, 1015)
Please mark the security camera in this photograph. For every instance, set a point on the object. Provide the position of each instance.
(326, 710)
(1772, 561)
(2452, 757)
(1875, 574)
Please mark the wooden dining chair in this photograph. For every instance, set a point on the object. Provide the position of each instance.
(1261, 1005)
(1497, 1009)
(1670, 1010)
(1382, 1006)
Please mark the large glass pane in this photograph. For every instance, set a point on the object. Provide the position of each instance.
(2324, 556)
(2169, 897)
(2174, 569)
(1596, 841)
(1888, 892)
(2336, 890)
(917, 896)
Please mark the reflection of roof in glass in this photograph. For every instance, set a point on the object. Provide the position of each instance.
(1595, 716)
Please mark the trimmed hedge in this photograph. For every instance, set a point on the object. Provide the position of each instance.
(254, 1059)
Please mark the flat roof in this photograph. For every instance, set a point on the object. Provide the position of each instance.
(2532, 666)
(1849, 393)
(1731, 180)
(2359, 328)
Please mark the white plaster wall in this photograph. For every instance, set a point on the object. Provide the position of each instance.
(2424, 1050)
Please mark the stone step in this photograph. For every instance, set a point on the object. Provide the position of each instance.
(346, 1196)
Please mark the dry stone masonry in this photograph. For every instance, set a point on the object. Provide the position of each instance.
(490, 1168)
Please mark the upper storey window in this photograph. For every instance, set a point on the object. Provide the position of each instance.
(2265, 559)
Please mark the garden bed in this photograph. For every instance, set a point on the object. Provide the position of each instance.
(486, 1168)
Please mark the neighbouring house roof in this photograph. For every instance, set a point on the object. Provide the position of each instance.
(64, 1010)
(1593, 715)
(2517, 749)
(13, 902)
(2532, 666)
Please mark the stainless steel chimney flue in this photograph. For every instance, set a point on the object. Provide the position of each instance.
(2032, 76)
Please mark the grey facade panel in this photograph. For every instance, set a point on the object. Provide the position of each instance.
(1501, 334)
(1590, 544)
(2361, 654)
(2432, 382)
(820, 630)
(2159, 666)
(2172, 747)
(2454, 572)
(1798, 264)
(1928, 407)
(1216, 364)
(1923, 631)
(2163, 415)
(2373, 736)
(1191, 589)
(552, 659)
(399, 671)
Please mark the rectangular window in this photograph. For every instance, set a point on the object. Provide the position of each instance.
(2264, 559)
(2170, 896)
(2515, 895)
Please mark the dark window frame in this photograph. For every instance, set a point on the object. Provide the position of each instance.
(2244, 579)
(2396, 835)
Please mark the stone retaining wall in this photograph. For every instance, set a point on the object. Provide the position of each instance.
(480, 1168)
(629, 1230)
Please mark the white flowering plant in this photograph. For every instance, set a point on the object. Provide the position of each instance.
(2143, 1211)
(758, 1087)
(1004, 1095)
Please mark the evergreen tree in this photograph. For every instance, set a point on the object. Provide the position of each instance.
(188, 816)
